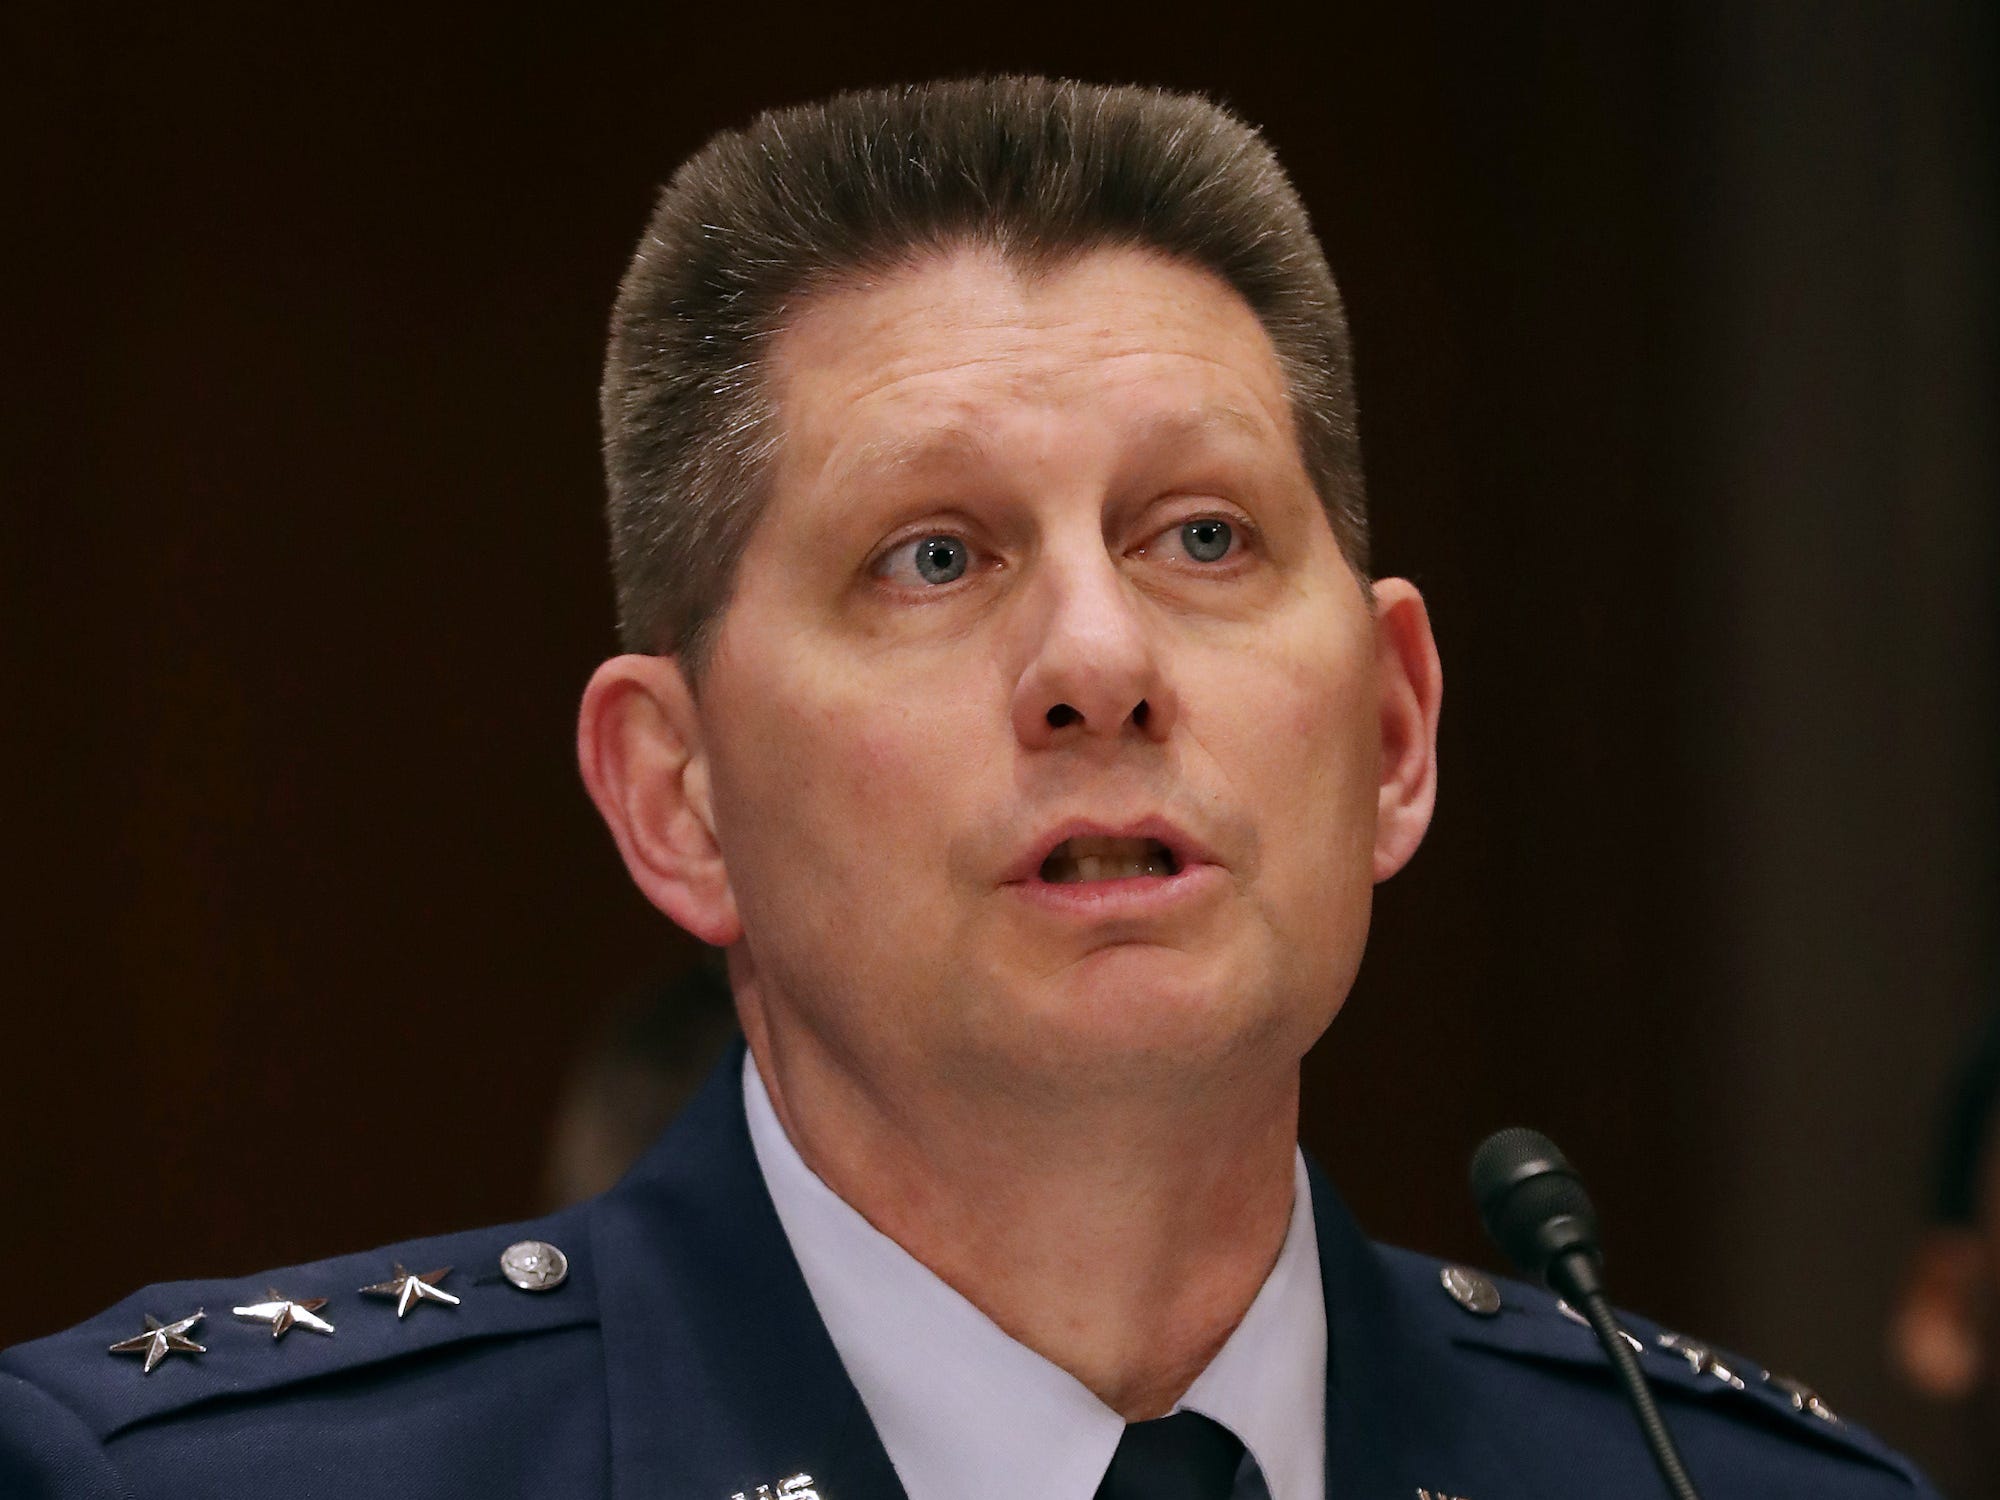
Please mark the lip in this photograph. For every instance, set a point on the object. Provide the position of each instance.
(1134, 898)
(1184, 847)
(1197, 873)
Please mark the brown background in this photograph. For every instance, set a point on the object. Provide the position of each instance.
(1676, 350)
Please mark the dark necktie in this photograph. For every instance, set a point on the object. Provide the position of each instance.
(1181, 1457)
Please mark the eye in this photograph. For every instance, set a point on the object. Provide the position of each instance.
(940, 559)
(1208, 538)
(931, 560)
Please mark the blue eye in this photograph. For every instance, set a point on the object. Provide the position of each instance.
(1208, 539)
(940, 559)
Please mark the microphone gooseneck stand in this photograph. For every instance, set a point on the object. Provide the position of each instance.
(1536, 1210)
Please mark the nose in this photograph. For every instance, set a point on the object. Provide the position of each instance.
(1094, 669)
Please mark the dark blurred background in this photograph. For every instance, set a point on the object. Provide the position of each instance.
(1676, 345)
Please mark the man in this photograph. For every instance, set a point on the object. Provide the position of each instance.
(1009, 699)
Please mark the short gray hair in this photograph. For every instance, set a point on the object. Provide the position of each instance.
(800, 198)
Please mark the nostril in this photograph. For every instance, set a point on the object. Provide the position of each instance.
(1139, 714)
(1062, 715)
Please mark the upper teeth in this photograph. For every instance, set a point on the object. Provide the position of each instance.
(1094, 857)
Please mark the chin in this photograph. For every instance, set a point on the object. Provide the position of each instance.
(1130, 1008)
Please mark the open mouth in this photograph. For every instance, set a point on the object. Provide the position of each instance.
(1091, 857)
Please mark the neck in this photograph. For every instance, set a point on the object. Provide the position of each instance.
(1122, 1236)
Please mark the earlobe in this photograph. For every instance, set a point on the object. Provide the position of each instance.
(1410, 682)
(639, 745)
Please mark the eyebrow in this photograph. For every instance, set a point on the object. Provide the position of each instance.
(931, 447)
(1205, 422)
(950, 444)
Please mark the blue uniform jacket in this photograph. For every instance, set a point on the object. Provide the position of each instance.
(682, 1359)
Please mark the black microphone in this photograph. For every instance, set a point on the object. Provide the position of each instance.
(1533, 1204)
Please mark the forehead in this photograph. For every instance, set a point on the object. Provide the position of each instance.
(920, 363)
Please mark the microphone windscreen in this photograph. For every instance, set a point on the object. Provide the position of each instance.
(1529, 1198)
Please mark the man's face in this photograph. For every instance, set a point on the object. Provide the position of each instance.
(1042, 729)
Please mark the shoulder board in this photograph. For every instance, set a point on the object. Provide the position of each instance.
(244, 1352)
(1476, 1309)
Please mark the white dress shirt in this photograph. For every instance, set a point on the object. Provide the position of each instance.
(966, 1413)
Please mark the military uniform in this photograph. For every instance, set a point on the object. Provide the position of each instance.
(660, 1342)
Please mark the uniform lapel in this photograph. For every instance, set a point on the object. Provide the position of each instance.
(720, 1375)
(1367, 1387)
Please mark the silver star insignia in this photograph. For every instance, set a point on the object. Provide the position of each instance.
(159, 1340)
(1701, 1359)
(282, 1313)
(1582, 1322)
(409, 1289)
(1803, 1397)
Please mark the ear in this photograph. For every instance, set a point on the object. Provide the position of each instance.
(1411, 684)
(639, 743)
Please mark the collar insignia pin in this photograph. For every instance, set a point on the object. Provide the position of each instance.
(161, 1339)
(1582, 1322)
(1803, 1397)
(409, 1289)
(284, 1313)
(1701, 1359)
(798, 1487)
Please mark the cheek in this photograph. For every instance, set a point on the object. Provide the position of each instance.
(1320, 849)
(1308, 743)
(886, 773)
(1338, 734)
(1307, 756)
(825, 789)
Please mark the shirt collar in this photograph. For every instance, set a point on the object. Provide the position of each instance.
(964, 1410)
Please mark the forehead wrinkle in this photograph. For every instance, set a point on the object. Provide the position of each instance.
(1020, 368)
(954, 445)
(1021, 349)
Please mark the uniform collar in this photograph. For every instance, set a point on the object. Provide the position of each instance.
(720, 1375)
(965, 1410)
